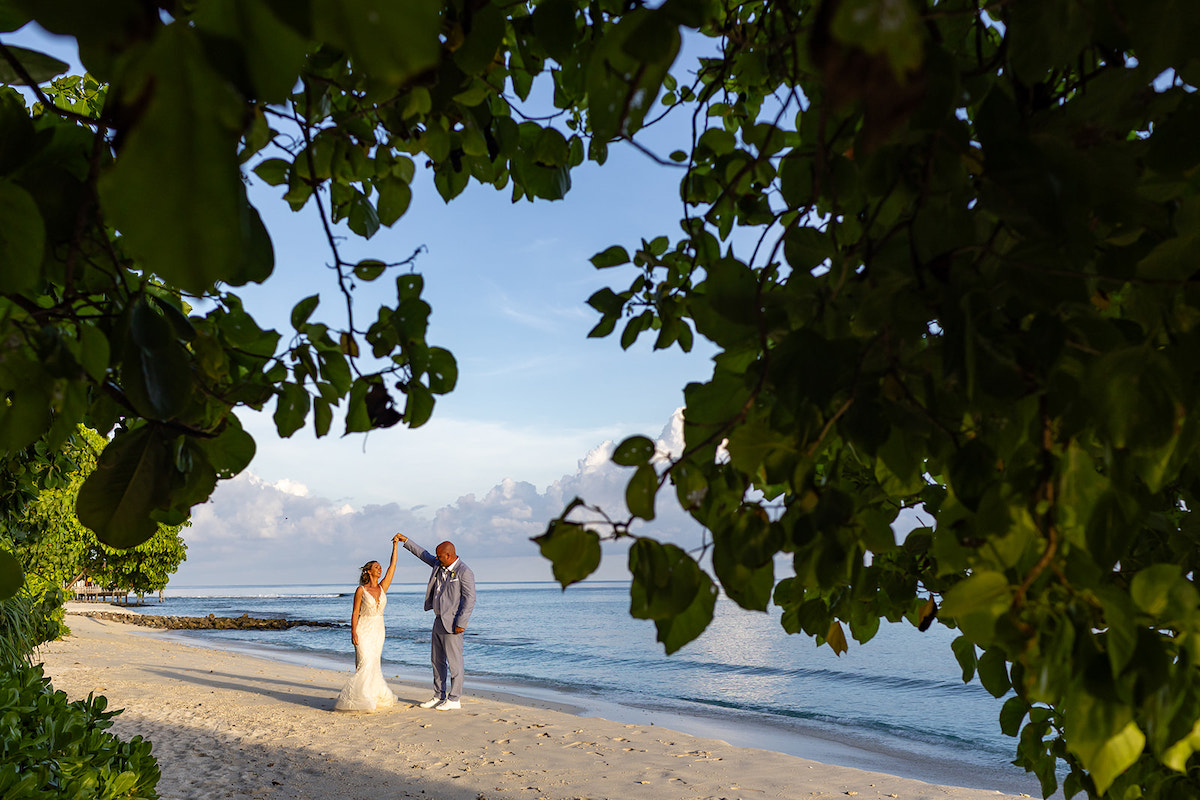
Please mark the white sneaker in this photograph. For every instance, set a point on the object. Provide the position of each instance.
(431, 702)
(448, 705)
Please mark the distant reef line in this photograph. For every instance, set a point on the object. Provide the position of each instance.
(244, 622)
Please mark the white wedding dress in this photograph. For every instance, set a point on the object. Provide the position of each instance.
(367, 690)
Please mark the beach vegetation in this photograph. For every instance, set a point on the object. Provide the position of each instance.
(18, 636)
(946, 250)
(55, 749)
(55, 549)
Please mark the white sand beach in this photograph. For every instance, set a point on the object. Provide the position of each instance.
(230, 725)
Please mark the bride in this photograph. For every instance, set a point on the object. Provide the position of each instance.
(367, 691)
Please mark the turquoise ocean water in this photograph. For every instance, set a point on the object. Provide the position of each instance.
(896, 705)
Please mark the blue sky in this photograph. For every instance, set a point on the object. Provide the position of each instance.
(537, 407)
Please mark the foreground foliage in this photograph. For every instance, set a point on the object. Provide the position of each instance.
(946, 249)
(53, 749)
(59, 750)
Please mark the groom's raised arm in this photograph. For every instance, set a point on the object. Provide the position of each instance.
(418, 551)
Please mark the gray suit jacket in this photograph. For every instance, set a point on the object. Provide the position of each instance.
(454, 602)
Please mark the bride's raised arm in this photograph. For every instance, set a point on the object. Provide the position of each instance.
(387, 576)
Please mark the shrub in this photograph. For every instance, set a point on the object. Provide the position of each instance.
(31, 618)
(53, 749)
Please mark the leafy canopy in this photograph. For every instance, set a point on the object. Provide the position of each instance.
(948, 253)
(946, 250)
(53, 546)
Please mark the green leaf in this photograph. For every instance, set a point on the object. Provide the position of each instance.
(976, 603)
(1173, 146)
(796, 186)
(691, 487)
(554, 27)
(732, 291)
(1172, 260)
(718, 140)
(334, 368)
(612, 257)
(390, 41)
(679, 629)
(131, 481)
(11, 18)
(633, 452)
(1121, 638)
(303, 310)
(291, 409)
(899, 468)
(364, 220)
(357, 417)
(39, 66)
(87, 22)
(1162, 592)
(274, 171)
(1177, 755)
(22, 239)
(642, 491)
(754, 448)
(573, 551)
(1106, 759)
(193, 483)
(964, 651)
(747, 585)
(1011, 714)
(230, 451)
(547, 183)
(993, 672)
(551, 149)
(394, 197)
(322, 416)
(478, 50)
(26, 415)
(665, 580)
(263, 55)
(157, 375)
(626, 71)
(443, 371)
(409, 286)
(807, 248)
(893, 28)
(192, 230)
(1082, 487)
(450, 183)
(93, 352)
(419, 406)
(1135, 395)
(12, 577)
(972, 472)
(369, 269)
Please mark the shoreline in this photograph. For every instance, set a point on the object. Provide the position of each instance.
(142, 669)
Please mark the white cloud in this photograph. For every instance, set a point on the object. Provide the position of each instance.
(430, 466)
(274, 532)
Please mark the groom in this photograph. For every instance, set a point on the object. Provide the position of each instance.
(450, 596)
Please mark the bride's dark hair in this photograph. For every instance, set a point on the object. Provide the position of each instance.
(365, 577)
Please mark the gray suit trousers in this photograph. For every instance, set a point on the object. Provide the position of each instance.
(447, 657)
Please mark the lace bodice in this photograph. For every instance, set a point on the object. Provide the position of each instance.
(370, 607)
